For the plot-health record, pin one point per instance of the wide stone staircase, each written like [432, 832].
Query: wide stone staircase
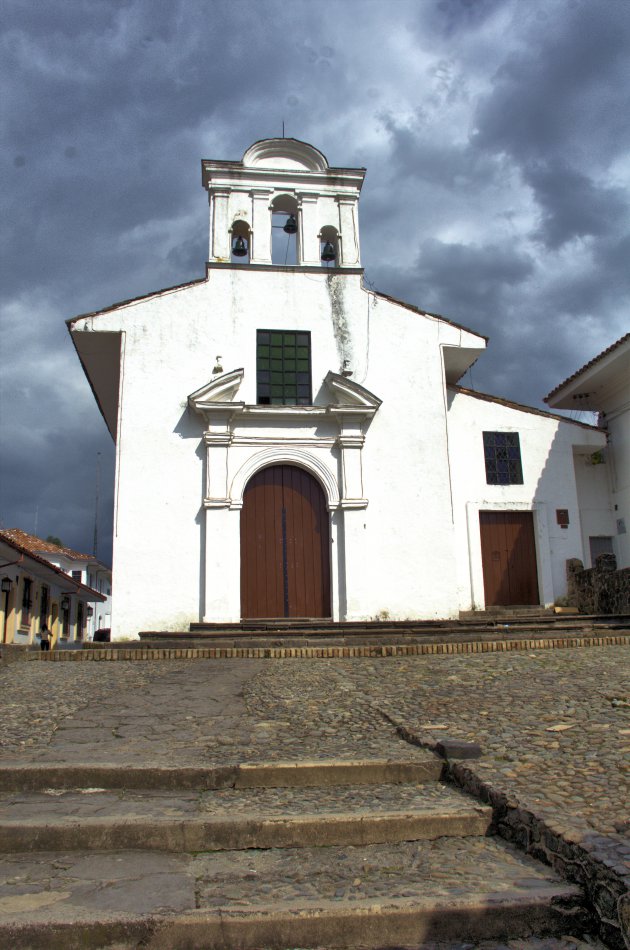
[331, 853]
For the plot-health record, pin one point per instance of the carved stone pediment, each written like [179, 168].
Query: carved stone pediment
[351, 395]
[218, 391]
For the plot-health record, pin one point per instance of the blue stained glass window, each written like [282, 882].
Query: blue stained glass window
[502, 455]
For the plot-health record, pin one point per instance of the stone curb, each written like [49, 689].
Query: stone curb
[330, 652]
[242, 833]
[484, 916]
[34, 778]
[604, 876]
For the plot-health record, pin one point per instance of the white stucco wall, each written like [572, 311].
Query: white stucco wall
[176, 562]
[596, 510]
[549, 483]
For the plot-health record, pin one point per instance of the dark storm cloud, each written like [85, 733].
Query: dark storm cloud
[572, 205]
[417, 155]
[600, 285]
[451, 16]
[469, 284]
[563, 90]
[469, 279]
[126, 95]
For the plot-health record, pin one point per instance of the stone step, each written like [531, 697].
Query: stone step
[382, 895]
[420, 766]
[231, 819]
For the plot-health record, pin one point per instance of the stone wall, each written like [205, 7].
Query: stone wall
[10, 652]
[601, 589]
[596, 862]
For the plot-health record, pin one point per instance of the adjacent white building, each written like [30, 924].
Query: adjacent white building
[84, 569]
[603, 385]
[291, 443]
[36, 593]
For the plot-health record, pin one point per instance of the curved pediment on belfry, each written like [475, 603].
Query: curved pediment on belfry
[221, 389]
[285, 153]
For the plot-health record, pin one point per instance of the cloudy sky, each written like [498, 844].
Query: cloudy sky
[496, 134]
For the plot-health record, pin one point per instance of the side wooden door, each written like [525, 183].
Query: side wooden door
[285, 546]
[508, 553]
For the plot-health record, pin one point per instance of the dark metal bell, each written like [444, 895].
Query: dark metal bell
[290, 225]
[328, 254]
[239, 248]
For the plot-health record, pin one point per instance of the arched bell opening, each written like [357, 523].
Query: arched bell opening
[284, 231]
[240, 242]
[329, 246]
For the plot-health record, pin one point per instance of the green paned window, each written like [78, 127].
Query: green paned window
[283, 368]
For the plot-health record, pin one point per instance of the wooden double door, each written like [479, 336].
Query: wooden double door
[285, 546]
[508, 553]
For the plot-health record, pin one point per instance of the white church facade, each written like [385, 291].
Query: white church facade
[291, 443]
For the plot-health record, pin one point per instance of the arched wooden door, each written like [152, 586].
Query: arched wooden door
[285, 557]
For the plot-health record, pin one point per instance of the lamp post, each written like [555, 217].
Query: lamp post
[6, 590]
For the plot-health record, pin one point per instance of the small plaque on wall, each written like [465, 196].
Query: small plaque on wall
[562, 517]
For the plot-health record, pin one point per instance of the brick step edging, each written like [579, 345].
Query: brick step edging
[330, 652]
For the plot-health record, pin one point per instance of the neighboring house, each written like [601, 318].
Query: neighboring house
[83, 568]
[603, 385]
[35, 592]
[291, 443]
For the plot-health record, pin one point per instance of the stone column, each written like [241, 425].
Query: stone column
[217, 444]
[356, 576]
[221, 250]
[308, 250]
[350, 442]
[222, 593]
[348, 232]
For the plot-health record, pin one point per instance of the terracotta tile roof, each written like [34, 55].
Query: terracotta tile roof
[37, 545]
[588, 365]
[522, 408]
[6, 536]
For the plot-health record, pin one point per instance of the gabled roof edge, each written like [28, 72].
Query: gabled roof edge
[423, 313]
[591, 363]
[521, 407]
[132, 300]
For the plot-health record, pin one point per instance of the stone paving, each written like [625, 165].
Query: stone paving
[177, 713]
[251, 880]
[554, 726]
[54, 804]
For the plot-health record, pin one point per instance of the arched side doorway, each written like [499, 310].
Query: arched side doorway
[285, 545]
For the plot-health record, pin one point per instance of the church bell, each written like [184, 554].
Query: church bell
[290, 225]
[328, 253]
[239, 248]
